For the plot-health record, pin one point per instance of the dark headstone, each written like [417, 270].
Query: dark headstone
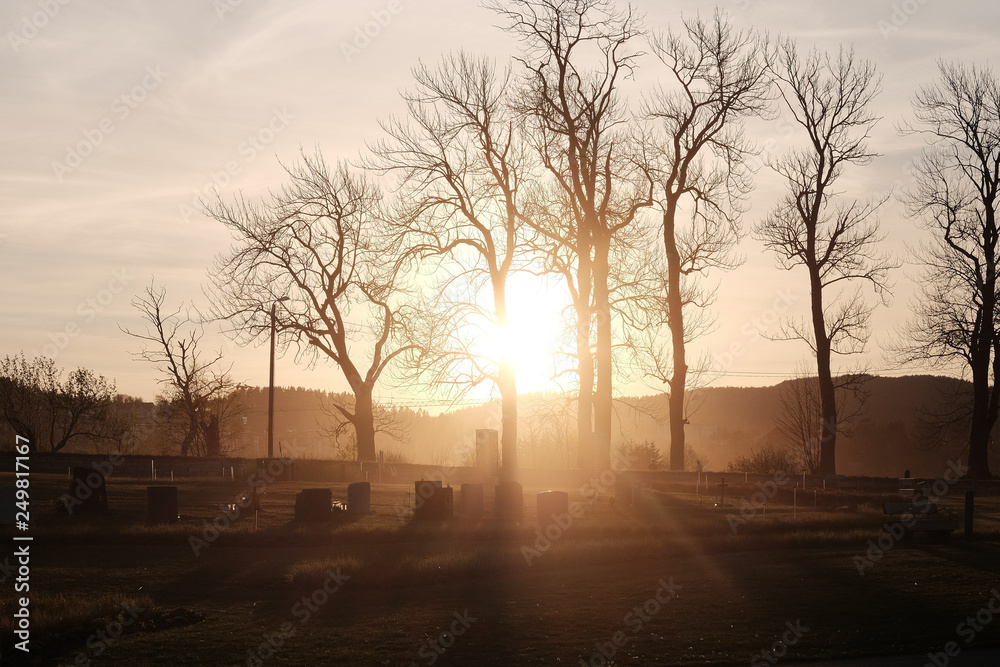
[314, 505]
[551, 503]
[161, 504]
[509, 499]
[87, 492]
[359, 497]
[432, 502]
[473, 499]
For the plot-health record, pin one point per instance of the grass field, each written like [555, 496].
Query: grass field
[668, 582]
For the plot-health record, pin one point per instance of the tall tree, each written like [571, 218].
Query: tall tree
[698, 157]
[461, 165]
[836, 239]
[317, 242]
[956, 198]
[576, 55]
[200, 392]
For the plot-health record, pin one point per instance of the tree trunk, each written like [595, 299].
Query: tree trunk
[979, 433]
[983, 412]
[585, 402]
[192, 433]
[675, 321]
[603, 392]
[364, 422]
[213, 439]
[586, 455]
[827, 391]
[508, 423]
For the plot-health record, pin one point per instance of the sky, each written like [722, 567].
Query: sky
[117, 115]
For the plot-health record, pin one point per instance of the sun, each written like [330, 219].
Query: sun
[535, 332]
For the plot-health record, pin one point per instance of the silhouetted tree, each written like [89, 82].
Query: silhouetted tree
[575, 56]
[837, 241]
[697, 155]
[199, 391]
[52, 412]
[799, 413]
[956, 197]
[461, 165]
[318, 241]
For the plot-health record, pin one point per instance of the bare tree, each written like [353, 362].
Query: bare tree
[199, 390]
[576, 55]
[956, 197]
[52, 412]
[837, 241]
[799, 415]
[316, 242]
[461, 165]
[697, 154]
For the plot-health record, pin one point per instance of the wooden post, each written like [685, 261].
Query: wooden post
[722, 500]
[795, 501]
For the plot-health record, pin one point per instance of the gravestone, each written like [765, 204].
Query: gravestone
[550, 503]
[509, 499]
[161, 504]
[488, 453]
[473, 500]
[314, 505]
[359, 497]
[8, 500]
[88, 493]
[432, 501]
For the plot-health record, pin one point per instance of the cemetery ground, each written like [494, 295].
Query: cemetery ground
[672, 580]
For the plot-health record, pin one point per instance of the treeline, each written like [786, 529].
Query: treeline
[80, 411]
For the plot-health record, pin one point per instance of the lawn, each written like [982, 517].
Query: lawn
[667, 582]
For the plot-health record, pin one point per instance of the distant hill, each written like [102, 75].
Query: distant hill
[724, 422]
[728, 421]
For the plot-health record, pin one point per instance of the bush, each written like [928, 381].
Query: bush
[642, 456]
[767, 460]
